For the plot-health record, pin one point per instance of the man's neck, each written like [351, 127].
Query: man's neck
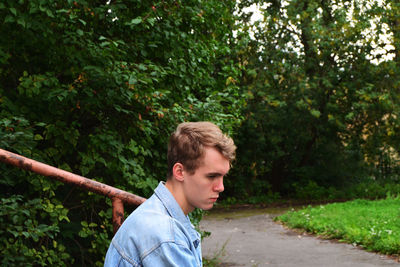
[177, 192]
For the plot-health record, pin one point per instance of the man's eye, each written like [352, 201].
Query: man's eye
[212, 176]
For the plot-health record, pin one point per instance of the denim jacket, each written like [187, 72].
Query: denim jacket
[156, 234]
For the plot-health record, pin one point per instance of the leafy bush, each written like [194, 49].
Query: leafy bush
[368, 189]
[29, 232]
[95, 88]
[374, 189]
[310, 191]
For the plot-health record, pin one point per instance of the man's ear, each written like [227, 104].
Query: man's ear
[177, 171]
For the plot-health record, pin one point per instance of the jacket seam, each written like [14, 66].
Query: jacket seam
[124, 256]
[182, 244]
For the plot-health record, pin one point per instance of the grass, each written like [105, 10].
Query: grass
[215, 261]
[371, 224]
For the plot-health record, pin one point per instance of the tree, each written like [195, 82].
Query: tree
[323, 104]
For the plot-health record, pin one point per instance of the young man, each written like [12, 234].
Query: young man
[159, 232]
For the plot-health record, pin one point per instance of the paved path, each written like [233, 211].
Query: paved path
[255, 240]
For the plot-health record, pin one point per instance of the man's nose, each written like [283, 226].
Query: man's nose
[219, 186]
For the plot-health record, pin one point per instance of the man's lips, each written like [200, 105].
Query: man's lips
[214, 199]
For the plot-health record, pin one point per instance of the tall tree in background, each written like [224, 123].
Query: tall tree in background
[95, 87]
[324, 94]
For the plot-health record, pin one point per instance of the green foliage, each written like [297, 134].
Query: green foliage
[95, 88]
[366, 189]
[370, 224]
[373, 190]
[195, 218]
[312, 191]
[323, 97]
[29, 232]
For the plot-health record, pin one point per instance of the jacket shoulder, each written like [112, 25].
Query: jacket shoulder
[146, 229]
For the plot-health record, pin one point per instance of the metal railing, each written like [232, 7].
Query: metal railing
[118, 197]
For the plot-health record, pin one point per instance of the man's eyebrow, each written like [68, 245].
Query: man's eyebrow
[215, 174]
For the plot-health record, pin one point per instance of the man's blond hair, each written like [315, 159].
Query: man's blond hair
[187, 144]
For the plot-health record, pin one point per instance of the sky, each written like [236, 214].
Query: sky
[386, 37]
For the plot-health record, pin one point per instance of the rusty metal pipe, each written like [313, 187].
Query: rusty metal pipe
[117, 196]
[117, 213]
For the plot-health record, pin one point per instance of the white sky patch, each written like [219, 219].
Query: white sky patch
[381, 50]
[256, 16]
[257, 13]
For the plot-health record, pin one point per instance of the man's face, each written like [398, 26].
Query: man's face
[202, 188]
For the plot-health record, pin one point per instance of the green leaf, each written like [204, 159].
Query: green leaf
[136, 21]
[38, 137]
[13, 11]
[49, 13]
[9, 18]
[315, 113]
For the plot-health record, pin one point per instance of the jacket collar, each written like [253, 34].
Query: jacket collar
[176, 211]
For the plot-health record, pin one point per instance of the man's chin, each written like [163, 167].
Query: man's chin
[208, 207]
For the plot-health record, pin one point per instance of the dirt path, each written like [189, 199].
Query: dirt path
[251, 238]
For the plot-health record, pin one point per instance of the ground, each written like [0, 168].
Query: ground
[250, 237]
